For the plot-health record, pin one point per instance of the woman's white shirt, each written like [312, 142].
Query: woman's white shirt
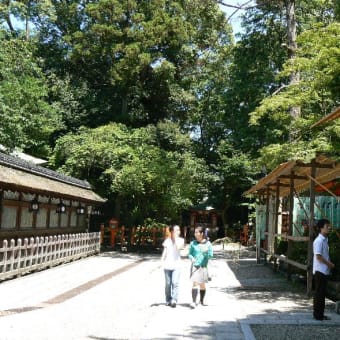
[172, 256]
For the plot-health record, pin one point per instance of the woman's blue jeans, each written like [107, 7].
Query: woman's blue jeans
[171, 285]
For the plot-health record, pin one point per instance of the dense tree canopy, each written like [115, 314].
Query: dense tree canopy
[156, 105]
[138, 58]
[147, 171]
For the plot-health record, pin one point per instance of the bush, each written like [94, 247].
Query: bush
[281, 246]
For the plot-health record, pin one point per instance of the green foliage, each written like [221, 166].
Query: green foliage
[236, 171]
[129, 163]
[299, 252]
[318, 58]
[275, 154]
[316, 94]
[281, 246]
[26, 11]
[337, 9]
[334, 253]
[140, 58]
[27, 118]
[116, 84]
[258, 56]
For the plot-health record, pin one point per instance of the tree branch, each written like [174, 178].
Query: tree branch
[9, 23]
[278, 90]
[238, 6]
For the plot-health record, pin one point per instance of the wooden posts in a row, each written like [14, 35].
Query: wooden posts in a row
[134, 236]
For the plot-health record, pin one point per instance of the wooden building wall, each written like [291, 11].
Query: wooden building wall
[18, 221]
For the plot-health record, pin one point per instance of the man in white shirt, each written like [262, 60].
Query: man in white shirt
[321, 269]
[171, 258]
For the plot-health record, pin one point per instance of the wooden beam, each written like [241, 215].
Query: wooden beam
[285, 259]
[1, 205]
[290, 262]
[294, 177]
[316, 165]
[293, 238]
[284, 185]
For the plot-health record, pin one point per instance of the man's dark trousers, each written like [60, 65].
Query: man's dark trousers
[320, 281]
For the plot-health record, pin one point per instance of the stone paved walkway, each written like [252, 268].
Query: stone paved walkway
[120, 296]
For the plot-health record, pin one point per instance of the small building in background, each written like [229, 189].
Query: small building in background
[206, 216]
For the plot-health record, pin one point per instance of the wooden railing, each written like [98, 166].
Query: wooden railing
[284, 258]
[28, 255]
[133, 237]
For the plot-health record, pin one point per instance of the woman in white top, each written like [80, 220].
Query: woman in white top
[171, 258]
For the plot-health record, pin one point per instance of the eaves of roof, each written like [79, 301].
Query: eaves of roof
[16, 174]
[280, 178]
[331, 116]
[14, 179]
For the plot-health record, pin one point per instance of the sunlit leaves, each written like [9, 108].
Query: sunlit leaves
[152, 168]
[27, 119]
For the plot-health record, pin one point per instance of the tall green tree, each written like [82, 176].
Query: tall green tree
[260, 55]
[236, 174]
[317, 93]
[139, 58]
[27, 118]
[24, 11]
[148, 172]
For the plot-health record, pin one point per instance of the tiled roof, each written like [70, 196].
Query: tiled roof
[17, 163]
[16, 173]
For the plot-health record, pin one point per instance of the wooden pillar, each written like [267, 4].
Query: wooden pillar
[277, 206]
[311, 231]
[290, 221]
[69, 215]
[19, 213]
[267, 224]
[34, 219]
[1, 206]
[48, 212]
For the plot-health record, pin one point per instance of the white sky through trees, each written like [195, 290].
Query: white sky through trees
[235, 19]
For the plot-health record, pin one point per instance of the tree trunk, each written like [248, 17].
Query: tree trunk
[294, 78]
[27, 23]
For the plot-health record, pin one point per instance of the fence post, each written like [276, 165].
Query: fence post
[5, 256]
[25, 252]
[31, 252]
[18, 257]
[12, 250]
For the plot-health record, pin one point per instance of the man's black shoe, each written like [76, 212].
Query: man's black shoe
[325, 317]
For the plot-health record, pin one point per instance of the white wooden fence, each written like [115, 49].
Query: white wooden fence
[22, 257]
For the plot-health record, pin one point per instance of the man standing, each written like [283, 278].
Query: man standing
[321, 269]
[171, 258]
